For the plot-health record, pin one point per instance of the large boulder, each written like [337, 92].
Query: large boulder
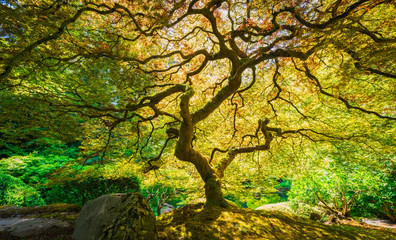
[116, 216]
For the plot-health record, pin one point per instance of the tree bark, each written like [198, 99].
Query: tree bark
[184, 152]
[213, 193]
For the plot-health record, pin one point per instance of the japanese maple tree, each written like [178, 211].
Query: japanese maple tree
[221, 78]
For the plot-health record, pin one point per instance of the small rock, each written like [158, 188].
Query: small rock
[315, 216]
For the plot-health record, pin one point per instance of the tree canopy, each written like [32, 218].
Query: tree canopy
[213, 80]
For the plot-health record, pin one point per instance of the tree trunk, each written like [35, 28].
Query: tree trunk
[184, 152]
[213, 193]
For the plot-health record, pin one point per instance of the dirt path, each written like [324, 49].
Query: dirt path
[380, 222]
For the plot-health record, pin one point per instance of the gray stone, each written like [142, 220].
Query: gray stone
[282, 206]
[116, 216]
[167, 208]
[27, 227]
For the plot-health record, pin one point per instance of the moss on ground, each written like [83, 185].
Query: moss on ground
[233, 223]
[196, 222]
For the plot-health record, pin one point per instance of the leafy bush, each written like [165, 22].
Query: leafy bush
[338, 189]
[382, 202]
[389, 210]
[79, 191]
[79, 185]
[33, 168]
[162, 196]
[14, 191]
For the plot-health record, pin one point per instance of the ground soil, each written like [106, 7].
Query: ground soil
[195, 222]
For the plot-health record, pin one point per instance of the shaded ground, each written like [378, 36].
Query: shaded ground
[194, 222]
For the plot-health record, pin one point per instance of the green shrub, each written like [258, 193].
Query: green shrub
[14, 191]
[338, 189]
[389, 210]
[162, 196]
[79, 191]
[33, 168]
[78, 186]
[380, 203]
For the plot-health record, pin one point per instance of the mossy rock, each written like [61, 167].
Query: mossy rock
[116, 216]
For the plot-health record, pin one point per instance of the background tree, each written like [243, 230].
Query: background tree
[27, 125]
[217, 79]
